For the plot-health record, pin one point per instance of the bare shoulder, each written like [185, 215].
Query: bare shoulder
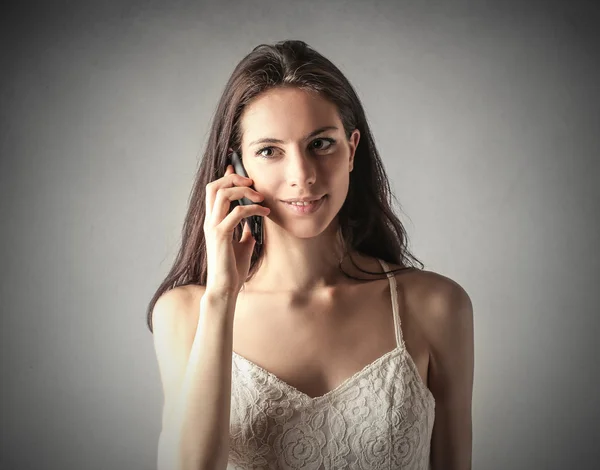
[441, 304]
[178, 302]
[447, 325]
[175, 320]
[432, 290]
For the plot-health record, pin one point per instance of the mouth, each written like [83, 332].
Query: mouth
[305, 208]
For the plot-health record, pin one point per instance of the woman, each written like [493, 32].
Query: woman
[324, 347]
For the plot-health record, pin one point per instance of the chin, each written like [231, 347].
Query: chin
[306, 233]
[303, 229]
[305, 226]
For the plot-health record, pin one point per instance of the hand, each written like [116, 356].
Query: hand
[228, 262]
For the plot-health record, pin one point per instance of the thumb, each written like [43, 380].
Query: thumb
[243, 250]
[247, 240]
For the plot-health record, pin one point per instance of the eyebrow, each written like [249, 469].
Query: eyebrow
[271, 140]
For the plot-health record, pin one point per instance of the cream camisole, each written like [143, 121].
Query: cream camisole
[380, 418]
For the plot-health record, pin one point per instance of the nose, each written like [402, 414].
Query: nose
[300, 168]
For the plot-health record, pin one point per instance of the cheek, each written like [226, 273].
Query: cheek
[268, 191]
[341, 183]
[337, 191]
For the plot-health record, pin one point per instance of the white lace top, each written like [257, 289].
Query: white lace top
[380, 418]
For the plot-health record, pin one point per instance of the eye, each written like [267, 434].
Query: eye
[329, 141]
[259, 152]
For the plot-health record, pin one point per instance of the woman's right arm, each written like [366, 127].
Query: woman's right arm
[193, 345]
[194, 342]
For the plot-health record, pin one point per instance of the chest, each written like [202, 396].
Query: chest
[315, 344]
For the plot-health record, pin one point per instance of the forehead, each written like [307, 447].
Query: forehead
[286, 114]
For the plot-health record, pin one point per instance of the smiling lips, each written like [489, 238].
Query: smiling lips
[304, 208]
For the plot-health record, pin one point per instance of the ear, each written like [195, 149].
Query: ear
[353, 143]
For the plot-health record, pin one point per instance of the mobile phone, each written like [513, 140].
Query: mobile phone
[254, 221]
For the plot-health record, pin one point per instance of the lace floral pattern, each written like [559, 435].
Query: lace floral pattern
[380, 418]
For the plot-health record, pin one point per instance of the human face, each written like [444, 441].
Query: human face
[295, 161]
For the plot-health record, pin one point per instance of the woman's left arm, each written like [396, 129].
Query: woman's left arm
[451, 341]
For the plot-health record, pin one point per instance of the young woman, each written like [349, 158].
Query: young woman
[324, 347]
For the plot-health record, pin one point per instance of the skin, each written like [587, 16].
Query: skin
[297, 168]
[311, 326]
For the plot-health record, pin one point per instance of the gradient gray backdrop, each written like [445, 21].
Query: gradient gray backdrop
[486, 117]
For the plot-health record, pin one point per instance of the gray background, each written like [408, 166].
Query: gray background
[486, 116]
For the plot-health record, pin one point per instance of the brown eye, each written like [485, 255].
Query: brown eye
[260, 152]
[330, 142]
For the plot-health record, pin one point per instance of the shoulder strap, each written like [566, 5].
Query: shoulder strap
[395, 308]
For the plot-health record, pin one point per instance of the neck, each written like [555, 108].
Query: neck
[292, 265]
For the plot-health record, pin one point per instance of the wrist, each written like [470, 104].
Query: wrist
[214, 296]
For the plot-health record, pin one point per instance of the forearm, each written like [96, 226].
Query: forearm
[197, 436]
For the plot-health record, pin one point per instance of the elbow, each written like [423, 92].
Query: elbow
[165, 459]
[172, 457]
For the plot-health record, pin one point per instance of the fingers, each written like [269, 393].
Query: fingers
[221, 192]
[225, 181]
[224, 198]
[233, 219]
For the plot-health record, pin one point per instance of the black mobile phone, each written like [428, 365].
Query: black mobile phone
[254, 221]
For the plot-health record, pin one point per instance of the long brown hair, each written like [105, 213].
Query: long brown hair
[367, 221]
